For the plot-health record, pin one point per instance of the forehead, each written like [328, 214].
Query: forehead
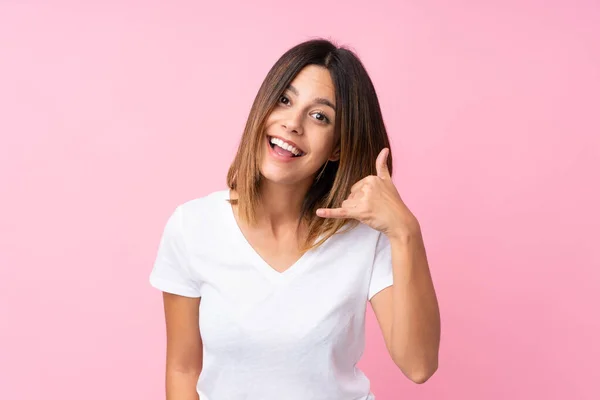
[314, 81]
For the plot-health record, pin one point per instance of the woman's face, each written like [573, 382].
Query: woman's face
[299, 133]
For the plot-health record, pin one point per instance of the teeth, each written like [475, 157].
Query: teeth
[285, 146]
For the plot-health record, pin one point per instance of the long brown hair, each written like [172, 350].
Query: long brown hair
[358, 123]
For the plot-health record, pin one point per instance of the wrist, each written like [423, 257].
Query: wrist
[404, 233]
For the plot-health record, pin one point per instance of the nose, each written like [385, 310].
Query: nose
[292, 123]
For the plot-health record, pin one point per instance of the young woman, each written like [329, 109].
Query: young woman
[266, 284]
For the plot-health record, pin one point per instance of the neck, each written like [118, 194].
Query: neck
[280, 204]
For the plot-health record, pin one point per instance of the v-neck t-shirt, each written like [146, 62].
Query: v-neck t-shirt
[269, 335]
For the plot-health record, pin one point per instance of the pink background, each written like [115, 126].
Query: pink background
[111, 113]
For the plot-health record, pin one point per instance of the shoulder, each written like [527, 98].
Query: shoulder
[359, 231]
[203, 210]
[205, 203]
[356, 238]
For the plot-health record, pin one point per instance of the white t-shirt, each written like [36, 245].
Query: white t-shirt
[268, 335]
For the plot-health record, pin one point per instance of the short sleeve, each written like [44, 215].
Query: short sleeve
[382, 273]
[171, 271]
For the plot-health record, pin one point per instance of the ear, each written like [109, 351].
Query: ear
[335, 155]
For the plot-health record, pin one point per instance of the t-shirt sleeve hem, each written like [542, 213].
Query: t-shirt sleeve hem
[174, 288]
[379, 287]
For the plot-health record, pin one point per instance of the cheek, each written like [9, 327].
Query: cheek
[324, 142]
[274, 116]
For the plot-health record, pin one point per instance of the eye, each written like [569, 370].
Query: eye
[283, 99]
[321, 117]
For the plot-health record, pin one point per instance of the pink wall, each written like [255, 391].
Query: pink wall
[107, 115]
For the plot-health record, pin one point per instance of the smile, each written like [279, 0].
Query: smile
[284, 148]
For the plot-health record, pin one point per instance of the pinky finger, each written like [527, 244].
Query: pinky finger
[333, 212]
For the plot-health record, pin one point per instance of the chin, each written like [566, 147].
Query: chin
[274, 175]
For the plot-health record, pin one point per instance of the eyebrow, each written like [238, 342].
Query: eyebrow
[318, 100]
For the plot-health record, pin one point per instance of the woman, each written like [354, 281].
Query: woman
[276, 271]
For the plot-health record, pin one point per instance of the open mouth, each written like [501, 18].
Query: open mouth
[284, 149]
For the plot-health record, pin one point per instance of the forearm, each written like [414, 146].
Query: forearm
[181, 385]
[415, 332]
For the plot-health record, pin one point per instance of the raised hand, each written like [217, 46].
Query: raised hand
[375, 201]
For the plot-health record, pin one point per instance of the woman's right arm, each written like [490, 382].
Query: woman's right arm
[184, 346]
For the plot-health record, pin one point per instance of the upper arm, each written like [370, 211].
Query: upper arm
[381, 303]
[172, 274]
[380, 288]
[184, 343]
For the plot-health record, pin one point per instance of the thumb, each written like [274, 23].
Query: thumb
[381, 164]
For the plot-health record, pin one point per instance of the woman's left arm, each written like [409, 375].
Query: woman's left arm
[407, 311]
